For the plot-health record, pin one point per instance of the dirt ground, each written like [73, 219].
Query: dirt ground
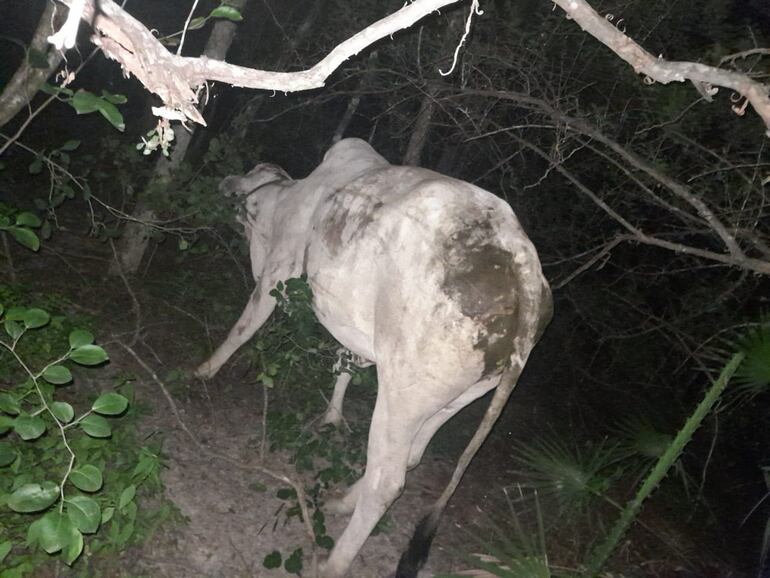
[234, 517]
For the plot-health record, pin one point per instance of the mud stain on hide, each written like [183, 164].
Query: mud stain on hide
[345, 224]
[480, 277]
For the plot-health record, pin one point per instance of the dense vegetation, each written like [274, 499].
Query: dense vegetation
[647, 204]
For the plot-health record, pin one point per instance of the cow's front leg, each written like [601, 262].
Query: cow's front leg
[333, 413]
[254, 315]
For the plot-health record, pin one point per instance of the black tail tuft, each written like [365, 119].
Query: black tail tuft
[419, 546]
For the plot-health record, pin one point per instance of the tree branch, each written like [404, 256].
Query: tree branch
[704, 77]
[175, 78]
[583, 126]
[635, 234]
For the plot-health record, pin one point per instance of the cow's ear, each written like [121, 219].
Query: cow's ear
[229, 185]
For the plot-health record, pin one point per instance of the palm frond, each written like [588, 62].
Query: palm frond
[575, 476]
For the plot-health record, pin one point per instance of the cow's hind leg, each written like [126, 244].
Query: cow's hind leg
[256, 312]
[347, 503]
[434, 422]
[390, 437]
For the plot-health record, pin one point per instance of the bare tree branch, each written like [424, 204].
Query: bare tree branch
[704, 77]
[175, 78]
[637, 235]
[736, 254]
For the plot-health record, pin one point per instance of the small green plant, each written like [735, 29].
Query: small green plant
[603, 550]
[752, 378]
[640, 443]
[513, 550]
[575, 477]
[294, 351]
[85, 102]
[20, 225]
[67, 487]
[291, 509]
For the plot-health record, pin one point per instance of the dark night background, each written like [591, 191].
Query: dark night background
[639, 331]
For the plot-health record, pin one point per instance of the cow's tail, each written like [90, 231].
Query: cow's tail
[534, 314]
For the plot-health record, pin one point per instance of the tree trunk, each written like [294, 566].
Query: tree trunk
[353, 103]
[136, 234]
[421, 127]
[27, 79]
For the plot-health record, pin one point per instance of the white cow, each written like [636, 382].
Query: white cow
[431, 278]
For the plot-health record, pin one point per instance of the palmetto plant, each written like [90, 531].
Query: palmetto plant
[511, 552]
[753, 376]
[751, 380]
[640, 442]
[574, 476]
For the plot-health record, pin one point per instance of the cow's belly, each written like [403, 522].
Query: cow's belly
[344, 302]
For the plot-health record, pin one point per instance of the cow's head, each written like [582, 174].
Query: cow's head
[261, 175]
[251, 190]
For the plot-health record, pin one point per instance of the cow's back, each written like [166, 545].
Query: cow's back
[404, 261]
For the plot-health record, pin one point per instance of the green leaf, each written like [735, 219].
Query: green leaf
[5, 548]
[112, 114]
[7, 454]
[227, 12]
[84, 102]
[84, 513]
[293, 564]
[9, 404]
[57, 374]
[110, 404]
[35, 318]
[27, 219]
[326, 542]
[126, 496]
[13, 329]
[87, 478]
[74, 548]
[25, 237]
[33, 497]
[114, 98]
[36, 166]
[29, 427]
[62, 411]
[55, 90]
[45, 230]
[6, 423]
[16, 313]
[70, 145]
[286, 493]
[107, 514]
[197, 23]
[273, 560]
[88, 355]
[80, 337]
[96, 426]
[53, 531]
